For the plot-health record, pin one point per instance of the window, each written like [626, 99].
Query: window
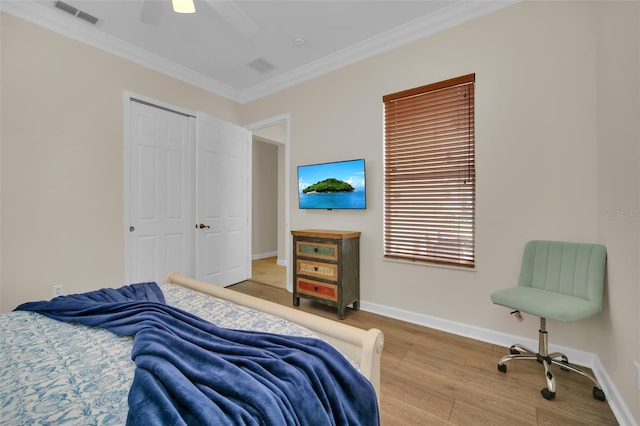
[429, 173]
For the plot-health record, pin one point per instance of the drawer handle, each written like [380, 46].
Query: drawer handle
[315, 269]
[315, 288]
[315, 249]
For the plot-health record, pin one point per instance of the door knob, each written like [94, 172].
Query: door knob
[203, 226]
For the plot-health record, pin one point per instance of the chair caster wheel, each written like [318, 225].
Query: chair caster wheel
[565, 361]
[514, 351]
[598, 394]
[503, 368]
[547, 394]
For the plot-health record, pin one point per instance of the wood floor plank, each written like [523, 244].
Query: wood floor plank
[401, 413]
[429, 377]
[267, 271]
[415, 392]
[465, 413]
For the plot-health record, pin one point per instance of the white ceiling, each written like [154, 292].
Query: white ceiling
[213, 47]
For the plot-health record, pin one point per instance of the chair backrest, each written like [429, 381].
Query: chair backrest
[574, 269]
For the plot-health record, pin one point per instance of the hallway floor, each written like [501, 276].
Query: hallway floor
[267, 271]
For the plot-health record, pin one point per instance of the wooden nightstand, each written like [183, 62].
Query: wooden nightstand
[327, 267]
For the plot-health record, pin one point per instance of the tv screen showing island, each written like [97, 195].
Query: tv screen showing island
[337, 185]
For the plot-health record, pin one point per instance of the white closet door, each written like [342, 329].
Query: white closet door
[222, 201]
[160, 224]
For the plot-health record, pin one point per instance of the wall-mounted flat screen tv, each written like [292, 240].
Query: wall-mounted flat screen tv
[336, 185]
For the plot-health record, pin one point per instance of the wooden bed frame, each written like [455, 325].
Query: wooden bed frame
[364, 347]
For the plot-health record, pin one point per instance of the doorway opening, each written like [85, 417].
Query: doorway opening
[270, 202]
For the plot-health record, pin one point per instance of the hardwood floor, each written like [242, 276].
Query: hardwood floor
[434, 378]
[267, 271]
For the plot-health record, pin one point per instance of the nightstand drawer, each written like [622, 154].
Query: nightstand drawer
[327, 271]
[326, 251]
[317, 289]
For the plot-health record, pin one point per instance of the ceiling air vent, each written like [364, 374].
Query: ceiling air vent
[75, 12]
[89, 18]
[65, 7]
[261, 65]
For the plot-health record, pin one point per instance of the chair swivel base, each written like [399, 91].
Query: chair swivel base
[521, 352]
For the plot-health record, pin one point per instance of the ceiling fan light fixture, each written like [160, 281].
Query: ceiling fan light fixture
[183, 6]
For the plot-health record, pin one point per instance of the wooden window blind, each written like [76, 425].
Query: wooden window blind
[429, 173]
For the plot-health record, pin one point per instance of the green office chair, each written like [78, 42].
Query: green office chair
[559, 281]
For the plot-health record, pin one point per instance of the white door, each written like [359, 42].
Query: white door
[222, 202]
[160, 220]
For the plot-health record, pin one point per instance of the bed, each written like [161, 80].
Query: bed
[55, 372]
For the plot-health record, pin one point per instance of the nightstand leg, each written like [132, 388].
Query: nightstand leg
[296, 301]
[341, 312]
[356, 305]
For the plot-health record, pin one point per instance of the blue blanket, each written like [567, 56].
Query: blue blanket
[188, 371]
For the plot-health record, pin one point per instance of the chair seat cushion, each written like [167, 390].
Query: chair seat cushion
[546, 304]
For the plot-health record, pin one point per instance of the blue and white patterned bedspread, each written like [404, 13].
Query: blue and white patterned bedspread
[53, 372]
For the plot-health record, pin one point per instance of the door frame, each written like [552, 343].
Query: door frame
[270, 122]
[127, 98]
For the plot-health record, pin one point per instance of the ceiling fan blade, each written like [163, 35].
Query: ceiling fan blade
[152, 11]
[234, 15]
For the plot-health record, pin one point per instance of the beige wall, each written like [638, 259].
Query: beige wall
[62, 159]
[617, 333]
[552, 157]
[555, 160]
[264, 199]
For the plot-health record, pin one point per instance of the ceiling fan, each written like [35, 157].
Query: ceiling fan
[153, 10]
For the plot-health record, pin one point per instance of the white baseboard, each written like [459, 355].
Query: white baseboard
[264, 255]
[587, 359]
[281, 262]
[619, 408]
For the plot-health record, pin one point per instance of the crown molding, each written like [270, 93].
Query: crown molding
[451, 16]
[57, 21]
[455, 14]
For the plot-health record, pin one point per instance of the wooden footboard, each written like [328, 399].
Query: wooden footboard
[364, 347]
